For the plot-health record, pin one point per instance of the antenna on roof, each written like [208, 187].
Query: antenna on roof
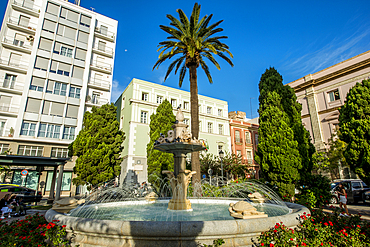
[92, 9]
[77, 2]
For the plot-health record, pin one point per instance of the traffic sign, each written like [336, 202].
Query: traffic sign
[210, 171]
[24, 172]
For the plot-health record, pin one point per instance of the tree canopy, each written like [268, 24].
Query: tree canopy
[98, 147]
[160, 122]
[354, 126]
[191, 41]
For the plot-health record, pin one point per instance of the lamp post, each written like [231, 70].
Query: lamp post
[221, 154]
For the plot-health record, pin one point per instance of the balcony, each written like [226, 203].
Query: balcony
[11, 86]
[104, 34]
[102, 50]
[19, 45]
[95, 101]
[17, 66]
[101, 67]
[26, 6]
[23, 26]
[10, 110]
[99, 84]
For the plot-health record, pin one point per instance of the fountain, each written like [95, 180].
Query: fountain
[164, 216]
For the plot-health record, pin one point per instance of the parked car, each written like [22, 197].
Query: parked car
[28, 195]
[366, 196]
[355, 189]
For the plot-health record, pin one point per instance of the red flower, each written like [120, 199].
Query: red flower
[326, 224]
[262, 244]
[271, 245]
[291, 239]
[275, 231]
[63, 226]
[321, 244]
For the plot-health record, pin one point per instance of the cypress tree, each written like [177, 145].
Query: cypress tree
[98, 147]
[160, 122]
[354, 127]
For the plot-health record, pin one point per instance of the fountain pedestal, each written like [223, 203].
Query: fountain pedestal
[179, 143]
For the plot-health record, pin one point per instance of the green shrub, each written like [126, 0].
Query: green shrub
[315, 193]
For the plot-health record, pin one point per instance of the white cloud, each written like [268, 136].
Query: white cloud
[116, 91]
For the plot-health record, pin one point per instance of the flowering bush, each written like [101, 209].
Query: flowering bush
[319, 229]
[33, 231]
[315, 193]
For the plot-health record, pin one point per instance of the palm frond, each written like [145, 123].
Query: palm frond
[164, 57]
[176, 33]
[204, 31]
[170, 68]
[176, 23]
[228, 60]
[179, 63]
[182, 75]
[206, 70]
[194, 18]
[212, 59]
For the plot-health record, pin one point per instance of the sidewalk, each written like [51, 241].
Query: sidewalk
[29, 212]
[352, 209]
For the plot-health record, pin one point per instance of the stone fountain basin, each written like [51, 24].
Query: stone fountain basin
[91, 232]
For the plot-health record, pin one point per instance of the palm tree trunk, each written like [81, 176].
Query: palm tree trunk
[194, 111]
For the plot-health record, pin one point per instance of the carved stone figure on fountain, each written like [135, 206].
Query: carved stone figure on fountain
[244, 210]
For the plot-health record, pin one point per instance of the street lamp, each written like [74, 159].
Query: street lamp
[221, 154]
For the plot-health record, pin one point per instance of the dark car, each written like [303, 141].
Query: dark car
[355, 189]
[28, 195]
[366, 196]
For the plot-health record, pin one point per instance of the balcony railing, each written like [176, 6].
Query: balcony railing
[27, 4]
[19, 43]
[105, 33]
[96, 101]
[8, 108]
[99, 83]
[14, 64]
[10, 84]
[104, 49]
[29, 25]
[102, 66]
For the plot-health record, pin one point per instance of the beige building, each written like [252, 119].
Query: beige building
[324, 92]
[56, 63]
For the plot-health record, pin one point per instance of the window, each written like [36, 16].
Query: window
[186, 121]
[356, 185]
[66, 181]
[219, 148]
[209, 110]
[45, 44]
[15, 59]
[52, 9]
[33, 105]
[219, 112]
[5, 102]
[364, 185]
[78, 72]
[334, 95]
[37, 84]
[159, 99]
[60, 68]
[24, 21]
[66, 31]
[173, 103]
[72, 111]
[53, 109]
[83, 37]
[2, 127]
[200, 126]
[19, 40]
[104, 30]
[59, 152]
[30, 181]
[85, 21]
[9, 81]
[186, 105]
[49, 130]
[209, 127]
[220, 129]
[248, 137]
[30, 150]
[238, 153]
[41, 63]
[3, 148]
[143, 117]
[75, 92]
[49, 26]
[249, 157]
[57, 88]
[69, 15]
[256, 138]
[63, 49]
[237, 136]
[101, 45]
[144, 96]
[69, 133]
[28, 129]
[80, 54]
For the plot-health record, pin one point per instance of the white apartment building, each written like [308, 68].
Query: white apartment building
[56, 62]
[140, 100]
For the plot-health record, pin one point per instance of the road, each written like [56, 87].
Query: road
[358, 208]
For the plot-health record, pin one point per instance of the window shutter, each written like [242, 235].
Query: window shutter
[64, 67]
[20, 37]
[72, 16]
[57, 47]
[24, 21]
[80, 54]
[60, 29]
[63, 13]
[45, 44]
[5, 100]
[72, 111]
[41, 63]
[85, 20]
[78, 72]
[52, 9]
[57, 109]
[70, 33]
[83, 37]
[101, 45]
[50, 86]
[38, 82]
[49, 26]
[33, 105]
[54, 65]
[104, 30]
[46, 108]
[14, 58]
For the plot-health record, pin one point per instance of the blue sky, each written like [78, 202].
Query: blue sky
[295, 37]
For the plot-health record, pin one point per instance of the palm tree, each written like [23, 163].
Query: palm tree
[193, 40]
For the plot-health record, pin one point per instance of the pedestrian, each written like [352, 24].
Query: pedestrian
[19, 205]
[5, 208]
[342, 198]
